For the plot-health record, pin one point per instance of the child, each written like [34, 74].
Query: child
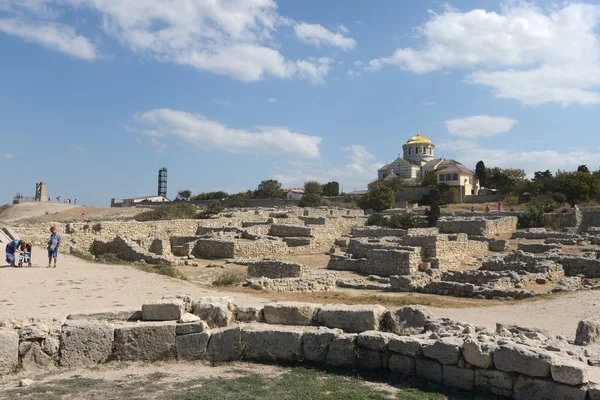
[25, 253]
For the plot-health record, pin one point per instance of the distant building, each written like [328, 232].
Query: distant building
[355, 193]
[138, 200]
[293, 194]
[461, 177]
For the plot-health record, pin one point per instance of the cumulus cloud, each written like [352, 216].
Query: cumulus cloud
[54, 36]
[527, 53]
[479, 126]
[319, 36]
[208, 134]
[233, 38]
[352, 73]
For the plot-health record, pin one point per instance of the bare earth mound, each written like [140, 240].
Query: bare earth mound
[57, 212]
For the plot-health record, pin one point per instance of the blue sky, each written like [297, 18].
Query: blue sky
[96, 95]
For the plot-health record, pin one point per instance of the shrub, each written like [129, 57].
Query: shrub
[378, 198]
[237, 201]
[213, 208]
[376, 220]
[511, 201]
[434, 212]
[169, 212]
[97, 227]
[310, 200]
[230, 278]
[280, 215]
[402, 221]
[531, 218]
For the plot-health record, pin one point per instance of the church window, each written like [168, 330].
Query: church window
[454, 177]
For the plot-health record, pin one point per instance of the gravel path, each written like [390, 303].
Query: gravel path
[78, 285]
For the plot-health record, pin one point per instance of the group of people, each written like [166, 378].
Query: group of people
[488, 209]
[18, 251]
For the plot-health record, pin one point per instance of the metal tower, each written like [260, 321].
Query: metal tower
[162, 182]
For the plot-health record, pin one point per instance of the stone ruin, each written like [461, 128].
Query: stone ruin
[509, 361]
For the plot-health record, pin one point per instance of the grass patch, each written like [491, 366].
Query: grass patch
[230, 278]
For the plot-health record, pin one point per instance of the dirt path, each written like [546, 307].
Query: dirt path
[78, 285]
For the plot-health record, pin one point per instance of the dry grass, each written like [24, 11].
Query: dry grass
[230, 278]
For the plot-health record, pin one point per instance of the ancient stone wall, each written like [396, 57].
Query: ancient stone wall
[385, 262]
[478, 226]
[377, 232]
[275, 269]
[126, 250]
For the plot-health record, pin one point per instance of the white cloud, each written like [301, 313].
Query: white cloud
[479, 126]
[352, 73]
[319, 36]
[272, 100]
[158, 146]
[8, 156]
[54, 36]
[531, 54]
[233, 38]
[204, 133]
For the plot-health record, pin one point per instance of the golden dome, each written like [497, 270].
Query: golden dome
[418, 139]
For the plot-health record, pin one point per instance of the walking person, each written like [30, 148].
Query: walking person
[53, 245]
[500, 206]
[487, 208]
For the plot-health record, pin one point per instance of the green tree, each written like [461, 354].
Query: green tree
[378, 198]
[583, 168]
[331, 189]
[310, 200]
[430, 179]
[268, 189]
[481, 174]
[505, 180]
[184, 195]
[219, 195]
[313, 187]
[578, 187]
[434, 211]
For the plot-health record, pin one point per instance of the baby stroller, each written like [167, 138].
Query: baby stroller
[26, 256]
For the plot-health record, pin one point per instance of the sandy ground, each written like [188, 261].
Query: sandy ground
[78, 285]
[58, 212]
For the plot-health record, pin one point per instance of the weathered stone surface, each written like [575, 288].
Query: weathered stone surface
[406, 345]
[410, 319]
[9, 351]
[50, 346]
[249, 313]
[37, 331]
[588, 332]
[163, 310]
[479, 354]
[192, 346]
[272, 343]
[149, 341]
[569, 371]
[188, 301]
[594, 392]
[529, 388]
[225, 344]
[191, 327]
[401, 364]
[445, 350]
[343, 352]
[215, 311]
[495, 379]
[522, 359]
[375, 340]
[351, 318]
[316, 342]
[130, 314]
[33, 357]
[289, 313]
[372, 359]
[187, 317]
[85, 343]
[429, 369]
[461, 378]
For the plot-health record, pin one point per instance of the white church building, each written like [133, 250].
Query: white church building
[418, 159]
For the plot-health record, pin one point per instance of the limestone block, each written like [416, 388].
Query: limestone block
[272, 343]
[479, 354]
[33, 357]
[249, 314]
[37, 331]
[429, 369]
[343, 352]
[372, 359]
[487, 379]
[50, 346]
[130, 314]
[163, 310]
[406, 345]
[375, 340]
[191, 327]
[216, 311]
[187, 317]
[148, 341]
[401, 364]
[289, 313]
[193, 346]
[528, 388]
[410, 319]
[522, 359]
[225, 344]
[351, 318]
[594, 392]
[445, 350]
[316, 342]
[461, 378]
[9, 351]
[569, 371]
[188, 302]
[588, 332]
[85, 343]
